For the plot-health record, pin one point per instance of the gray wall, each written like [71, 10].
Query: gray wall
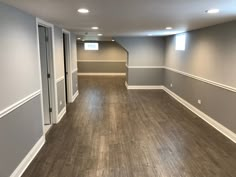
[73, 40]
[61, 102]
[74, 63]
[143, 76]
[19, 75]
[59, 53]
[101, 67]
[19, 131]
[59, 61]
[108, 53]
[217, 103]
[144, 51]
[75, 82]
[210, 54]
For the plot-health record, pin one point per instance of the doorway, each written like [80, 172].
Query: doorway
[45, 49]
[66, 49]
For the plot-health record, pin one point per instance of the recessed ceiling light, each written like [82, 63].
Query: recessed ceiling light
[212, 11]
[95, 28]
[83, 11]
[169, 28]
[100, 34]
[112, 40]
[78, 38]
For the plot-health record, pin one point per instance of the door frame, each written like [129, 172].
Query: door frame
[69, 75]
[53, 90]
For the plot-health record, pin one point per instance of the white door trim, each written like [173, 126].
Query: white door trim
[53, 91]
[69, 79]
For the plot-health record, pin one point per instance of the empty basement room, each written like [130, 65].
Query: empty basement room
[118, 88]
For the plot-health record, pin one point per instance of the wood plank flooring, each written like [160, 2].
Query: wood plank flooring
[112, 132]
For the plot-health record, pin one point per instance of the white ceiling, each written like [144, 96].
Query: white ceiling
[129, 17]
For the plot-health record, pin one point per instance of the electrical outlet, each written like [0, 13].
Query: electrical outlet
[171, 85]
[199, 101]
[60, 102]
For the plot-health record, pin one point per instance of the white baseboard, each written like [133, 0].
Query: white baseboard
[101, 74]
[222, 129]
[75, 96]
[126, 85]
[28, 158]
[61, 114]
[143, 87]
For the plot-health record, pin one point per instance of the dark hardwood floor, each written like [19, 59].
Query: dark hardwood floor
[112, 132]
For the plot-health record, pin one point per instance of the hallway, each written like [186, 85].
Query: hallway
[111, 132]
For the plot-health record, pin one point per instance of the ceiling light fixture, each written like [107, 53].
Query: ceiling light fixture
[112, 40]
[78, 38]
[149, 34]
[169, 28]
[95, 28]
[83, 11]
[212, 11]
[100, 34]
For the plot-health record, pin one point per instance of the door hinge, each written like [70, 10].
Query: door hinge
[49, 75]
[50, 110]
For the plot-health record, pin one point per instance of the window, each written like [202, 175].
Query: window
[180, 42]
[91, 46]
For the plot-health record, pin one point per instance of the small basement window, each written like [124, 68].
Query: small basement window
[91, 46]
[180, 42]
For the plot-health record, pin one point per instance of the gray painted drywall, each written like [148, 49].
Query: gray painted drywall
[75, 82]
[59, 60]
[61, 102]
[19, 67]
[59, 53]
[145, 76]
[73, 40]
[107, 51]
[218, 103]
[19, 131]
[101, 67]
[19, 75]
[210, 53]
[144, 51]
[74, 70]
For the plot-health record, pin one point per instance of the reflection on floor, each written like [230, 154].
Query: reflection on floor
[112, 132]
